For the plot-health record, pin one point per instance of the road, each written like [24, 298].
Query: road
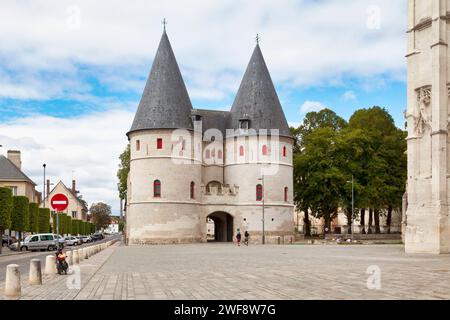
[23, 259]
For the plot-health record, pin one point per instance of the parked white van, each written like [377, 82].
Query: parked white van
[42, 241]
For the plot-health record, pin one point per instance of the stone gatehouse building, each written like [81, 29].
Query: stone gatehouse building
[190, 166]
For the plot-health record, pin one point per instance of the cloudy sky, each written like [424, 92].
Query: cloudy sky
[72, 72]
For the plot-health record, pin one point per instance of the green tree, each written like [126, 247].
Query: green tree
[317, 173]
[122, 173]
[34, 217]
[121, 226]
[6, 206]
[19, 221]
[383, 165]
[44, 220]
[101, 215]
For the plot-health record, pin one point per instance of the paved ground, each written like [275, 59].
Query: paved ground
[224, 271]
[23, 258]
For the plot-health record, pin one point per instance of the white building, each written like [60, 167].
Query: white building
[187, 165]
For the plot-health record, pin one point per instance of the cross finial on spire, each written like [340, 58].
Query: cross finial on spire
[257, 38]
[164, 22]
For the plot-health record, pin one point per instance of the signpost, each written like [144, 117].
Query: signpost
[59, 203]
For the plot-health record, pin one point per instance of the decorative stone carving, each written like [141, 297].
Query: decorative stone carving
[422, 114]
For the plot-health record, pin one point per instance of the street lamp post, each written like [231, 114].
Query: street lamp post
[353, 206]
[43, 186]
[263, 199]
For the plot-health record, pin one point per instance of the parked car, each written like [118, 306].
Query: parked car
[7, 240]
[72, 241]
[97, 236]
[84, 239]
[43, 241]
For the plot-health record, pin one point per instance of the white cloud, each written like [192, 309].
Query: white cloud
[311, 106]
[88, 145]
[304, 42]
[349, 96]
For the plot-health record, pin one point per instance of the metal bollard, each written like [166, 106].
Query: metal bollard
[12, 283]
[50, 265]
[35, 276]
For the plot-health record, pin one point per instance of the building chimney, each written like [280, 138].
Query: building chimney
[48, 188]
[74, 189]
[14, 157]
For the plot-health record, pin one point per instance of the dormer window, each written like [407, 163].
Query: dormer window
[244, 124]
[196, 117]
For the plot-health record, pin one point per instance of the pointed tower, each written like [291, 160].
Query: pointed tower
[165, 103]
[161, 206]
[257, 100]
[258, 159]
[427, 216]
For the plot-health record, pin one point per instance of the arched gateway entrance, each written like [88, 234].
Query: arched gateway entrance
[223, 227]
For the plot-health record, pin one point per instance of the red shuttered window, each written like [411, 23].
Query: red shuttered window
[157, 189]
[259, 192]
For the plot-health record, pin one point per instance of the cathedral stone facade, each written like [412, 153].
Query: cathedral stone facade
[190, 166]
[427, 216]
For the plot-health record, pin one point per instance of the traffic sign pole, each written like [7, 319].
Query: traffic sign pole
[59, 203]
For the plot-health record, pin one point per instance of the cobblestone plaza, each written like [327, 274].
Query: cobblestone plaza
[225, 271]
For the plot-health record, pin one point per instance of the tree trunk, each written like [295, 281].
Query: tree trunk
[389, 220]
[363, 221]
[377, 221]
[307, 223]
[369, 231]
[349, 220]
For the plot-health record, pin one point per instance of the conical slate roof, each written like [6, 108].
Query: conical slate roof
[257, 99]
[165, 103]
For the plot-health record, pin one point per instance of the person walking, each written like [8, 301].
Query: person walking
[238, 237]
[246, 237]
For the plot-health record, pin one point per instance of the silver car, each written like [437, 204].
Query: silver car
[72, 241]
[43, 241]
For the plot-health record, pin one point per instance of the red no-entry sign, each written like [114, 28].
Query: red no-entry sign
[59, 202]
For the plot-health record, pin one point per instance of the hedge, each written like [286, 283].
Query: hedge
[6, 205]
[19, 216]
[44, 220]
[34, 217]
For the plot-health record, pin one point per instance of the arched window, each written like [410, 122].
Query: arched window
[192, 190]
[284, 151]
[157, 189]
[138, 145]
[241, 151]
[264, 150]
[208, 154]
[286, 194]
[259, 192]
[219, 154]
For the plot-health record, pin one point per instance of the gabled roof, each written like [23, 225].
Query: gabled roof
[69, 191]
[213, 119]
[165, 103]
[257, 99]
[8, 171]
